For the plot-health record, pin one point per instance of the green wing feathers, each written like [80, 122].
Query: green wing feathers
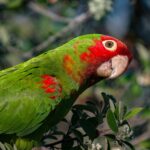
[23, 101]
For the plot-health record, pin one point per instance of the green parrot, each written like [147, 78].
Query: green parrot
[35, 95]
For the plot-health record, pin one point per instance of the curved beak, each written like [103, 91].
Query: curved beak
[114, 67]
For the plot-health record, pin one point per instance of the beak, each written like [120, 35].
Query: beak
[114, 67]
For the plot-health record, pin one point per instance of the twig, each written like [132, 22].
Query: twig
[46, 12]
[61, 141]
[72, 25]
[104, 132]
[12, 49]
[144, 136]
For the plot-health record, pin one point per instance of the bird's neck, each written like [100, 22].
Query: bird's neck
[70, 69]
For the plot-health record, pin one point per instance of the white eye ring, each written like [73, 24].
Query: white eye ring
[110, 45]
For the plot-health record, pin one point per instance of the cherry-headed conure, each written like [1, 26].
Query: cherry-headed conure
[37, 94]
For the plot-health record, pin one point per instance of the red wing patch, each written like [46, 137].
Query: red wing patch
[51, 86]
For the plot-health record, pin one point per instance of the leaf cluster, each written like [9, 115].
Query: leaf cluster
[86, 127]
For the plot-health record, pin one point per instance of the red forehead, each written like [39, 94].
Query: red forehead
[106, 37]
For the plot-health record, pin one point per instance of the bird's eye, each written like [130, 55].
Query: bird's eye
[110, 45]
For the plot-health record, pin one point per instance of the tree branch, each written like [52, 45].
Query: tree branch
[72, 25]
[46, 12]
[62, 140]
[142, 137]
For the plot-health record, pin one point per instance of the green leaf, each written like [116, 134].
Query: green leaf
[67, 143]
[89, 128]
[108, 145]
[133, 112]
[88, 107]
[110, 136]
[79, 135]
[75, 118]
[8, 146]
[14, 3]
[111, 120]
[94, 121]
[122, 111]
[146, 113]
[105, 97]
[2, 146]
[52, 137]
[112, 105]
[112, 98]
[105, 107]
[77, 148]
[145, 144]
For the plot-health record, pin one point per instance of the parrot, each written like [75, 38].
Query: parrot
[35, 95]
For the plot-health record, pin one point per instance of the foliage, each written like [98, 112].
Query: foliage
[7, 146]
[85, 131]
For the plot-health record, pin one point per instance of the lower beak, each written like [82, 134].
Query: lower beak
[114, 67]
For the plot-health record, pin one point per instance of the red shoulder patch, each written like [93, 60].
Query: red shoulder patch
[68, 64]
[51, 86]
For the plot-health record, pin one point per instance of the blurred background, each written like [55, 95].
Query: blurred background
[30, 27]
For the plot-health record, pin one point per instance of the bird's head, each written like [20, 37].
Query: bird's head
[108, 57]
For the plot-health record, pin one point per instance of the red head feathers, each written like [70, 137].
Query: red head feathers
[109, 56]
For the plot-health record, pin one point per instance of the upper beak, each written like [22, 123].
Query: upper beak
[114, 67]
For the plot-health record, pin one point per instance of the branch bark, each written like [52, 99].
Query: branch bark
[144, 136]
[48, 13]
[69, 28]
